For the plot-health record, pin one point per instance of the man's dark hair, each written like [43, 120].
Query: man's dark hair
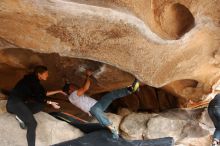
[40, 69]
[66, 88]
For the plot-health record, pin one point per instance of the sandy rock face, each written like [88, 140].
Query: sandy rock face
[162, 43]
[49, 131]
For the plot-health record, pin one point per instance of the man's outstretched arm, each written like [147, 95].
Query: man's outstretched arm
[86, 86]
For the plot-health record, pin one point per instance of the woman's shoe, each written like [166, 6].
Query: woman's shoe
[21, 123]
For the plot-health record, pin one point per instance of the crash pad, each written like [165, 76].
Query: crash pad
[104, 138]
[97, 135]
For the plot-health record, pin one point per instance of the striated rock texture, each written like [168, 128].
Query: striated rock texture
[166, 43]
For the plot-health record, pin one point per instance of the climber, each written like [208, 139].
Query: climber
[29, 97]
[96, 108]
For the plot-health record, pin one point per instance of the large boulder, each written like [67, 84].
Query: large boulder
[134, 125]
[161, 127]
[187, 127]
[163, 43]
[49, 131]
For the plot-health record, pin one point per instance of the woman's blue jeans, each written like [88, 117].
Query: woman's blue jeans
[98, 109]
[214, 113]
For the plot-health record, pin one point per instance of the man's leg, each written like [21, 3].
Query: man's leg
[98, 109]
[107, 99]
[25, 114]
[98, 113]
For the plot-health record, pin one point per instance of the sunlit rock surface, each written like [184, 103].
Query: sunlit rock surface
[49, 131]
[162, 43]
[168, 45]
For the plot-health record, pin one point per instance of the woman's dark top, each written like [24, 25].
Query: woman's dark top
[28, 87]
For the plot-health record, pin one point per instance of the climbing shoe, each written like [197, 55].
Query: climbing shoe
[134, 87]
[115, 134]
[21, 123]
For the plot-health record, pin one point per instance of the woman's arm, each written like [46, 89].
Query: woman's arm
[49, 93]
[54, 104]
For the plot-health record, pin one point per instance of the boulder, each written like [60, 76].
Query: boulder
[115, 119]
[159, 126]
[162, 43]
[3, 106]
[49, 131]
[187, 127]
[133, 126]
